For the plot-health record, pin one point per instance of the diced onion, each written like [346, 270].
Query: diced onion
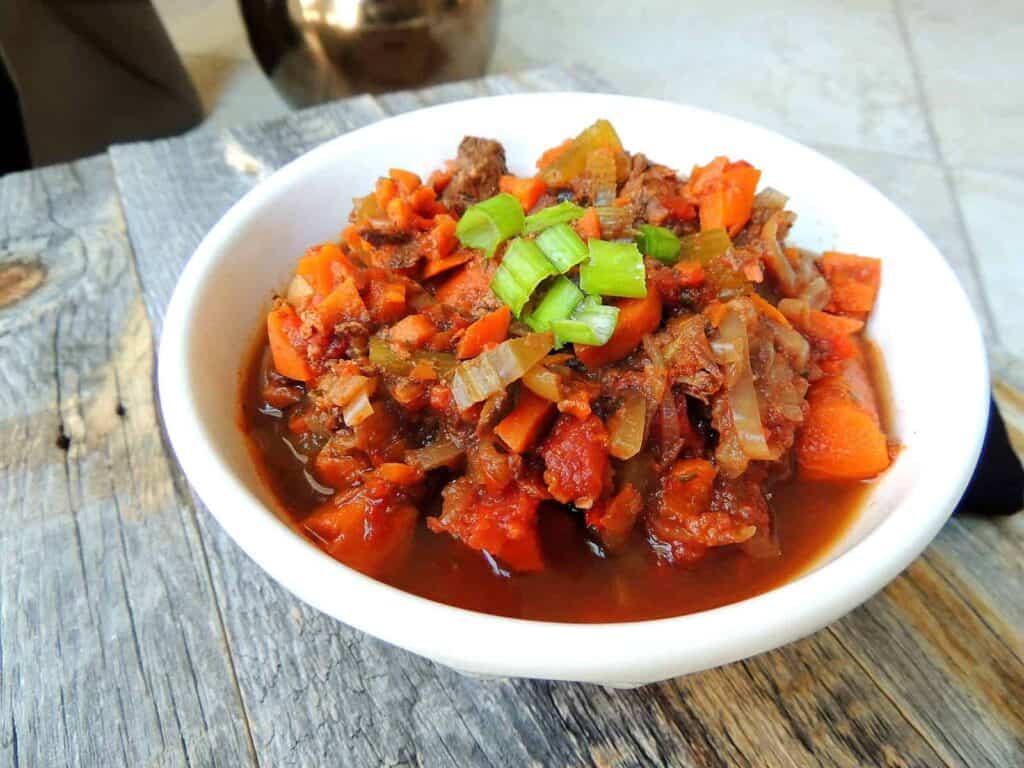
[601, 168]
[731, 346]
[771, 199]
[704, 247]
[298, 291]
[543, 382]
[358, 409]
[626, 427]
[440, 454]
[477, 379]
[616, 221]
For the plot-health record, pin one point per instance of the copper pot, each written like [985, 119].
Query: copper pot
[318, 50]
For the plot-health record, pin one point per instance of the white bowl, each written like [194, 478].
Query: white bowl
[922, 322]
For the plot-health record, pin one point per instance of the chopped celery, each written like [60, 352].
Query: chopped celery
[702, 247]
[658, 243]
[562, 246]
[522, 269]
[591, 324]
[489, 223]
[614, 269]
[562, 213]
[558, 304]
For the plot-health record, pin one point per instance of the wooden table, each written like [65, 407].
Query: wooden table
[134, 632]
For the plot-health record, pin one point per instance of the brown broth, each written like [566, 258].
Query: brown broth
[577, 585]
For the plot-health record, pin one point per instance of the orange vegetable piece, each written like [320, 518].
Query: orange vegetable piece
[521, 428]
[467, 288]
[842, 438]
[363, 536]
[387, 301]
[424, 200]
[691, 273]
[769, 310]
[324, 265]
[492, 328]
[443, 236]
[385, 191]
[343, 303]
[287, 347]
[528, 191]
[435, 267]
[400, 213]
[407, 181]
[637, 318]
[413, 331]
[589, 225]
[399, 474]
[725, 193]
[854, 281]
[337, 469]
[552, 154]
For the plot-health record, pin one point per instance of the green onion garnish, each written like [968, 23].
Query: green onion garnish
[558, 304]
[489, 223]
[658, 243]
[563, 247]
[562, 213]
[614, 269]
[704, 246]
[591, 324]
[521, 270]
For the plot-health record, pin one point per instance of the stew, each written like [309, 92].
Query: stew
[602, 392]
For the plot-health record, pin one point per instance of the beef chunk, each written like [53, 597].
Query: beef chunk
[478, 170]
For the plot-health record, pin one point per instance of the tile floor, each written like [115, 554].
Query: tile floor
[921, 97]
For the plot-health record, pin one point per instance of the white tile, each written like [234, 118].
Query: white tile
[993, 206]
[825, 71]
[971, 60]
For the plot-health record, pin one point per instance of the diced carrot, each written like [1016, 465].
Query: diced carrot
[637, 318]
[826, 325]
[387, 301]
[443, 235]
[769, 310]
[440, 397]
[589, 225]
[287, 347]
[337, 469]
[424, 200]
[714, 312]
[527, 191]
[413, 331]
[385, 191]
[363, 536]
[423, 371]
[440, 179]
[686, 489]
[691, 273]
[552, 154]
[343, 303]
[842, 437]
[399, 474]
[435, 267]
[854, 281]
[725, 193]
[521, 428]
[492, 328]
[324, 266]
[400, 213]
[679, 207]
[466, 288]
[407, 181]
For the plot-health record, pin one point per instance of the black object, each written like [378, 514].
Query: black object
[13, 142]
[997, 487]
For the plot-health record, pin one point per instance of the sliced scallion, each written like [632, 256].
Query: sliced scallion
[614, 269]
[562, 246]
[489, 223]
[592, 324]
[558, 304]
[658, 243]
[522, 269]
[562, 213]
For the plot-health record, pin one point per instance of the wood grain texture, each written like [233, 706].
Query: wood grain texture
[164, 644]
[111, 647]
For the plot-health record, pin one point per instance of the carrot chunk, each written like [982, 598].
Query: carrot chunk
[343, 303]
[387, 301]
[589, 225]
[324, 266]
[842, 438]
[637, 318]
[725, 193]
[527, 191]
[492, 328]
[407, 181]
[521, 428]
[414, 331]
[854, 281]
[286, 344]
